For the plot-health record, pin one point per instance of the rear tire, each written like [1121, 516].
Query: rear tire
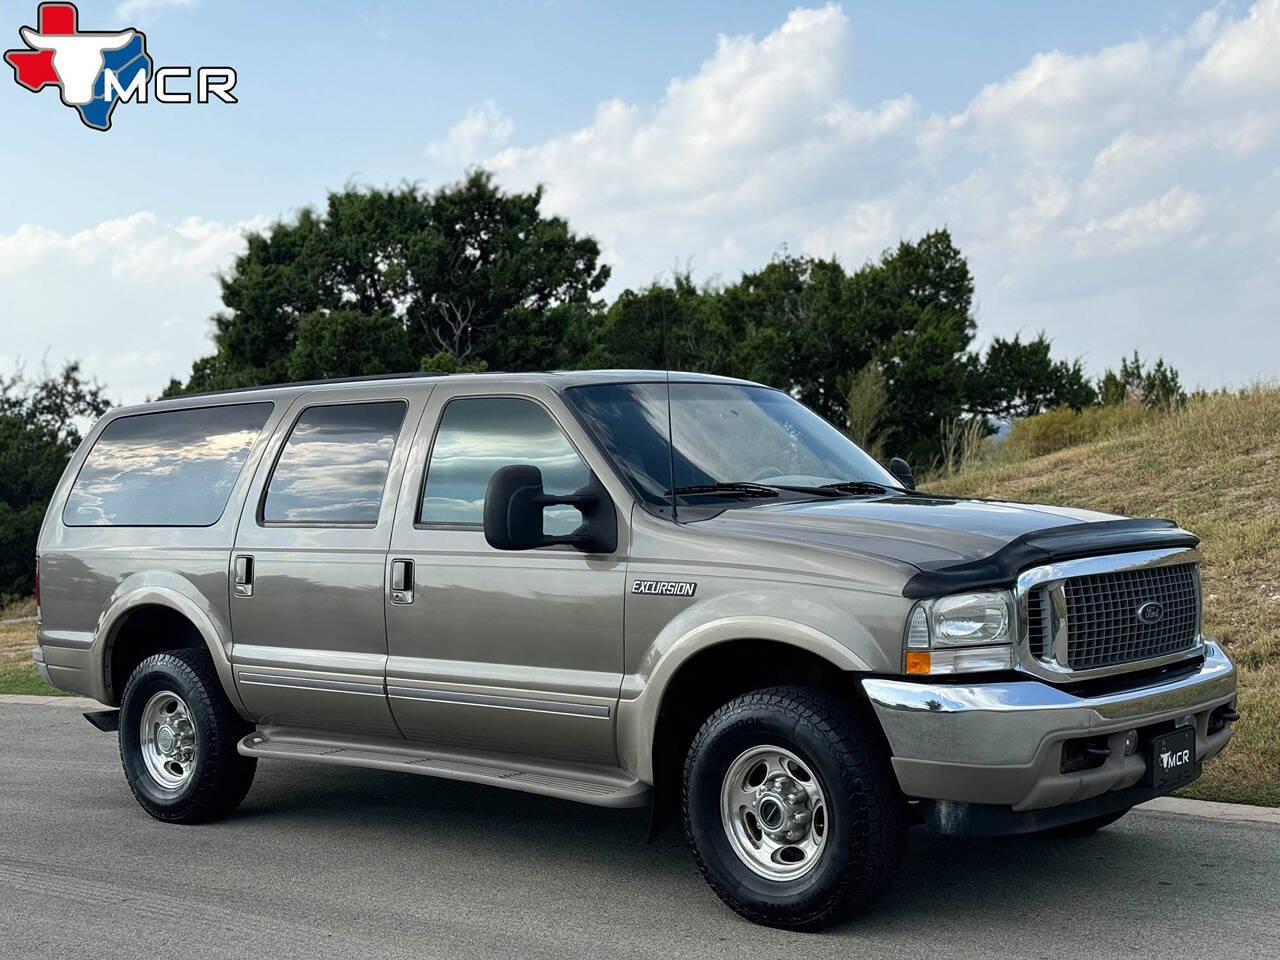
[178, 736]
[1084, 827]
[792, 757]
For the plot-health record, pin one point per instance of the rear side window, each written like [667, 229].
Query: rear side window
[333, 468]
[478, 435]
[175, 468]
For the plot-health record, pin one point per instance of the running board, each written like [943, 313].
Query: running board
[598, 786]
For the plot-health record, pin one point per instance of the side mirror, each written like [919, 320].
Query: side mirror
[513, 505]
[902, 472]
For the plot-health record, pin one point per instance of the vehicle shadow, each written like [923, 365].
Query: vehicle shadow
[1023, 894]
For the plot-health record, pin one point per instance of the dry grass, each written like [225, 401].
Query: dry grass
[17, 637]
[1214, 467]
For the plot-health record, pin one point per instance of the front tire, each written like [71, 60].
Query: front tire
[178, 736]
[791, 808]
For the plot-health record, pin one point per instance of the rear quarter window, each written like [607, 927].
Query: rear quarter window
[174, 468]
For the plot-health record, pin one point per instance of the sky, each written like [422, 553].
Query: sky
[1112, 171]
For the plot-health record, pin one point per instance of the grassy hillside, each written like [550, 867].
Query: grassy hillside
[1214, 467]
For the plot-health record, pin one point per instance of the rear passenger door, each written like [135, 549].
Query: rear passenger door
[309, 634]
[517, 651]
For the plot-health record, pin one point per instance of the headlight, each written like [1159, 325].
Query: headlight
[964, 633]
[970, 618]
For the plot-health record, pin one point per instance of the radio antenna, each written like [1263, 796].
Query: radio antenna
[671, 436]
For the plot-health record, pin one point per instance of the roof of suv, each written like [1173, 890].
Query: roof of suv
[559, 379]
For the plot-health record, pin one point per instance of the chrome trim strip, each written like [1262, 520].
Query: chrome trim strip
[311, 683]
[1053, 575]
[488, 700]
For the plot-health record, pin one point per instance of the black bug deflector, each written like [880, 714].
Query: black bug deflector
[1039, 547]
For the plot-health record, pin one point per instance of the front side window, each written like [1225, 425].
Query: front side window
[718, 433]
[333, 468]
[477, 436]
[175, 468]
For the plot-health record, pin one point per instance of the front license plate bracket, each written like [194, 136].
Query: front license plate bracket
[1171, 757]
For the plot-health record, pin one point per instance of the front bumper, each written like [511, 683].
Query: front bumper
[1002, 743]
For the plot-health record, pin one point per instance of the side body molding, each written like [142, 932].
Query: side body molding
[157, 588]
[642, 693]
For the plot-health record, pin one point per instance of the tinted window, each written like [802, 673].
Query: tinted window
[334, 466]
[169, 469]
[478, 435]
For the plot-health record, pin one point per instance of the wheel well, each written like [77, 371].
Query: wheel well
[713, 677]
[145, 630]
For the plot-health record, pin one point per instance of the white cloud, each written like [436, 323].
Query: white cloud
[1245, 57]
[728, 163]
[1057, 97]
[138, 309]
[143, 9]
[1075, 177]
[138, 247]
[1150, 224]
[481, 130]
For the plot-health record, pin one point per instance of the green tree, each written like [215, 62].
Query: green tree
[1016, 379]
[672, 326]
[40, 423]
[1159, 388]
[867, 398]
[471, 276]
[808, 326]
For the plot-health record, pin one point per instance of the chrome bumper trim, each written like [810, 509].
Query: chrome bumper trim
[1005, 723]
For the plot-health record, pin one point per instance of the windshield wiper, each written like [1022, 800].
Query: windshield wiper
[841, 489]
[858, 486]
[733, 488]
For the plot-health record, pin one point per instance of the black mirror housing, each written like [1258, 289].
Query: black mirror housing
[902, 472]
[513, 506]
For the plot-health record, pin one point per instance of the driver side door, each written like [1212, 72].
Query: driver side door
[516, 651]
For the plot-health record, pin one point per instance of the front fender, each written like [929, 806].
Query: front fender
[162, 589]
[638, 715]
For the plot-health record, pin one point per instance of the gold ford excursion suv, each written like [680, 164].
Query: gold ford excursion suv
[621, 588]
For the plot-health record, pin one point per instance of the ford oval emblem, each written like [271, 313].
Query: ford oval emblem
[1151, 612]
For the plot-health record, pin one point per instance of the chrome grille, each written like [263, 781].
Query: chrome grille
[1039, 631]
[1103, 627]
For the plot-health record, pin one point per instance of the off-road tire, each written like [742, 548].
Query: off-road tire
[867, 831]
[221, 777]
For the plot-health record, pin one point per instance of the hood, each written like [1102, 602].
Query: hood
[926, 532]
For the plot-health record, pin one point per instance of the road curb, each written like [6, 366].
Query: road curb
[30, 699]
[1213, 810]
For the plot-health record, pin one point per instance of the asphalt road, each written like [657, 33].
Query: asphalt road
[336, 863]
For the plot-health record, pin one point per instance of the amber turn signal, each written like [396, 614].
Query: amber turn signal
[918, 662]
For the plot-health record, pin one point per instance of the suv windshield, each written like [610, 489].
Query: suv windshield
[727, 438]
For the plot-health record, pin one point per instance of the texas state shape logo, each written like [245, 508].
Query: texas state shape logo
[78, 62]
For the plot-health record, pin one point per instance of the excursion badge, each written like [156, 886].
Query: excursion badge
[665, 588]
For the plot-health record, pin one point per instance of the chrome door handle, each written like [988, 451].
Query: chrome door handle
[402, 581]
[243, 579]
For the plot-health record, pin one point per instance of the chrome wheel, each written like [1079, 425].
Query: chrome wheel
[774, 813]
[167, 737]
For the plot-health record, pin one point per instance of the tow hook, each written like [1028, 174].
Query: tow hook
[107, 721]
